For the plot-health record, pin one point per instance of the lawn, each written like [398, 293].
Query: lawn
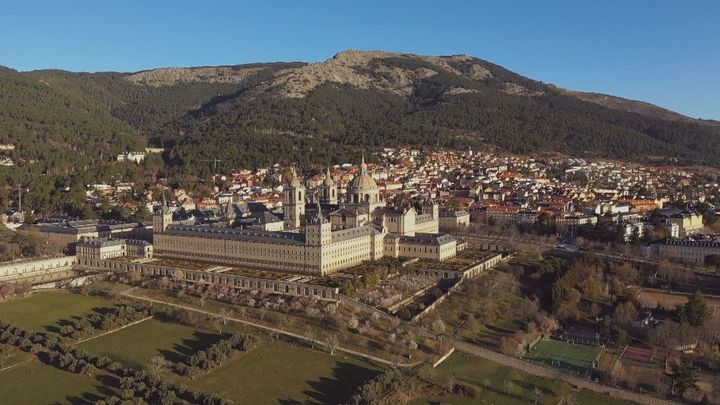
[135, 345]
[37, 383]
[492, 378]
[11, 355]
[562, 354]
[42, 310]
[275, 371]
[281, 372]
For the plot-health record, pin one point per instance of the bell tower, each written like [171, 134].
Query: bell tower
[328, 191]
[294, 202]
[318, 230]
[162, 219]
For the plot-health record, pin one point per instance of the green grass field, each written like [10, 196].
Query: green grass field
[37, 383]
[280, 372]
[275, 372]
[42, 310]
[12, 355]
[136, 344]
[491, 378]
[562, 354]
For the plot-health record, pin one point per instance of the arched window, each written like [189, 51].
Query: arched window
[299, 195]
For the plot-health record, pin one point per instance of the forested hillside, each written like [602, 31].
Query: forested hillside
[379, 99]
[68, 127]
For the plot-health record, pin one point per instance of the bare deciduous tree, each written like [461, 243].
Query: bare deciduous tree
[225, 314]
[157, 365]
[509, 387]
[332, 342]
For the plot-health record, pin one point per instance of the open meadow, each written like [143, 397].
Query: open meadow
[276, 371]
[41, 311]
[273, 372]
[135, 345]
[283, 373]
[37, 383]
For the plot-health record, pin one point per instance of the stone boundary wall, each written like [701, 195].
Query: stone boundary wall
[470, 272]
[34, 268]
[396, 306]
[481, 243]
[466, 275]
[231, 280]
[436, 303]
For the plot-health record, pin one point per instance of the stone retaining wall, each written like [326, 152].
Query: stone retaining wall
[231, 280]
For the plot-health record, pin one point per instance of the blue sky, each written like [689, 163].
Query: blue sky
[660, 51]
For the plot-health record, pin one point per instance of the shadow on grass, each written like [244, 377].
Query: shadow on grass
[339, 387]
[65, 322]
[188, 347]
[498, 330]
[52, 328]
[531, 387]
[506, 395]
[103, 391]
[102, 310]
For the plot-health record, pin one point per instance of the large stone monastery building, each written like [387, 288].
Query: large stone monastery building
[319, 238]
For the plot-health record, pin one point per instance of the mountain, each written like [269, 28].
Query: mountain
[373, 99]
[255, 114]
[639, 107]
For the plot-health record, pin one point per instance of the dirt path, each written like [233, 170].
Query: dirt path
[465, 347]
[22, 363]
[128, 293]
[112, 330]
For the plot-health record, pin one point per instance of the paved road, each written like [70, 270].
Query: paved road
[546, 372]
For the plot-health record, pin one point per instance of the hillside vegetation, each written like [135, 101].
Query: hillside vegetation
[69, 126]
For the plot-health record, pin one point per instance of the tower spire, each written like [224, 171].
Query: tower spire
[363, 165]
[320, 218]
[165, 207]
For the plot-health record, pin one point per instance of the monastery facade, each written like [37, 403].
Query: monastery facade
[317, 239]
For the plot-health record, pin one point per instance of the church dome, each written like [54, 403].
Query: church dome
[363, 181]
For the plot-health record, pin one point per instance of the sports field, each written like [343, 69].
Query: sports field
[564, 355]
